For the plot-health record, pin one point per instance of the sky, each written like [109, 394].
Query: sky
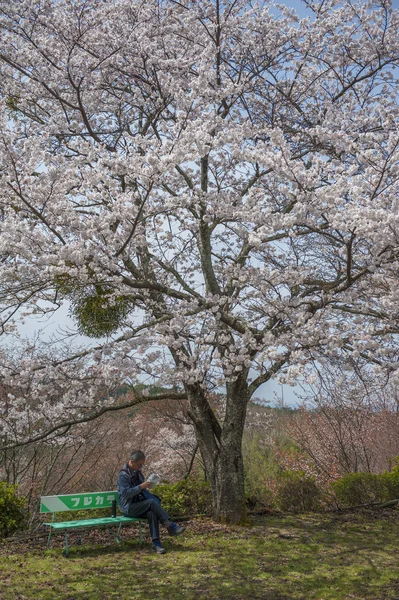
[299, 6]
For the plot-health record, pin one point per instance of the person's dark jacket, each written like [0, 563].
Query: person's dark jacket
[129, 489]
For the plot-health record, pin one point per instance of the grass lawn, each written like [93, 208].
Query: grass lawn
[294, 557]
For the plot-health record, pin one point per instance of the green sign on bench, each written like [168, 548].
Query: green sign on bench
[54, 504]
[92, 500]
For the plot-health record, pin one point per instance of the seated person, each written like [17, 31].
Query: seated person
[135, 500]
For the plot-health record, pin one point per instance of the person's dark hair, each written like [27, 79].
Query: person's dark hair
[137, 455]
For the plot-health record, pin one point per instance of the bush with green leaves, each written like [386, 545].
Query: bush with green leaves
[262, 466]
[359, 488]
[391, 483]
[365, 488]
[187, 497]
[13, 511]
[297, 492]
[259, 465]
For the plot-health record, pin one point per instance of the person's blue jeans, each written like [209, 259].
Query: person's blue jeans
[152, 510]
[149, 496]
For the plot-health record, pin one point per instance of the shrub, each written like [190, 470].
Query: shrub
[186, 498]
[360, 488]
[259, 465]
[297, 492]
[264, 460]
[391, 483]
[12, 510]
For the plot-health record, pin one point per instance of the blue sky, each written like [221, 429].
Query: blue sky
[299, 6]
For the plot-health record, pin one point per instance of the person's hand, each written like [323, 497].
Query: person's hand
[146, 485]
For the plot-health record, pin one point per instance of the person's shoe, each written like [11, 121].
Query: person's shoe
[176, 529]
[157, 547]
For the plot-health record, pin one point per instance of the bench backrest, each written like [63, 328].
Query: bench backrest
[52, 504]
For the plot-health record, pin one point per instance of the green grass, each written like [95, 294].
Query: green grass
[305, 557]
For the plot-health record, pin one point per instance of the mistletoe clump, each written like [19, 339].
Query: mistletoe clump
[98, 312]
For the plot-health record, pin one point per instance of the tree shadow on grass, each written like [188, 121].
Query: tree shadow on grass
[80, 551]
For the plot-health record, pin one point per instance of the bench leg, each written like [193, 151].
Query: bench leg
[49, 539]
[140, 534]
[66, 551]
[118, 537]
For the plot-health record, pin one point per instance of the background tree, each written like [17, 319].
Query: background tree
[349, 422]
[215, 181]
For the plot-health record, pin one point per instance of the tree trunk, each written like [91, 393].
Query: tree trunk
[228, 492]
[221, 450]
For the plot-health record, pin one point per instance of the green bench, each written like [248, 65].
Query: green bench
[92, 500]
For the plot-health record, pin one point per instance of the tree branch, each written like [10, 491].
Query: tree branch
[66, 425]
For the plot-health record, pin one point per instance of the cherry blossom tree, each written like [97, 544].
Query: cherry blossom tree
[167, 434]
[213, 186]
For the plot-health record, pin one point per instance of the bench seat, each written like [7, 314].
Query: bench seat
[99, 522]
